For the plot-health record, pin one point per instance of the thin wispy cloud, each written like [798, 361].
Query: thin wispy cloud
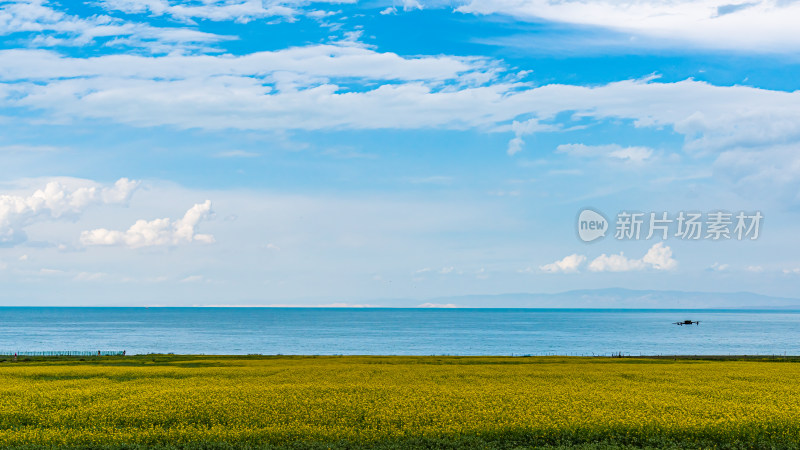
[236, 154]
[759, 26]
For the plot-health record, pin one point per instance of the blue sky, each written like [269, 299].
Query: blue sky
[229, 152]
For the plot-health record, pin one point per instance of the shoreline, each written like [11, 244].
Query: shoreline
[179, 357]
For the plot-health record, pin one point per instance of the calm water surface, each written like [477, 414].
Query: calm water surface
[324, 331]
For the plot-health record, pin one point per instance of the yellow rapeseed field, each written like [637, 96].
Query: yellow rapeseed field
[398, 401]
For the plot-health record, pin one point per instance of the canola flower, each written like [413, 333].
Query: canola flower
[371, 401]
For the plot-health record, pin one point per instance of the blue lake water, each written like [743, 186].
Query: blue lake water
[388, 331]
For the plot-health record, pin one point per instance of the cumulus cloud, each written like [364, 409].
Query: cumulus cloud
[658, 257]
[156, 232]
[758, 26]
[615, 263]
[569, 264]
[62, 199]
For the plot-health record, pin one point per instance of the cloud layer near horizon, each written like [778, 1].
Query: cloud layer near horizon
[658, 257]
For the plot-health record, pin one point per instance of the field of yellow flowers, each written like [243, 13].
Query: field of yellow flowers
[397, 402]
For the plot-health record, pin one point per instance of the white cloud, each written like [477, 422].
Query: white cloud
[242, 11]
[756, 269]
[310, 88]
[409, 5]
[20, 148]
[442, 180]
[515, 145]
[296, 89]
[613, 151]
[35, 16]
[89, 276]
[569, 264]
[758, 26]
[443, 271]
[291, 68]
[632, 154]
[192, 279]
[718, 267]
[437, 305]
[759, 170]
[61, 199]
[522, 129]
[50, 27]
[615, 263]
[658, 257]
[155, 232]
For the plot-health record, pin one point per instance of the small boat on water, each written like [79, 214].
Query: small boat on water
[687, 322]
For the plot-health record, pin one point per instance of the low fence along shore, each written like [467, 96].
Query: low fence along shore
[65, 353]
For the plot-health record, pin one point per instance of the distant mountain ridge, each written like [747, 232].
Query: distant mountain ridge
[621, 298]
